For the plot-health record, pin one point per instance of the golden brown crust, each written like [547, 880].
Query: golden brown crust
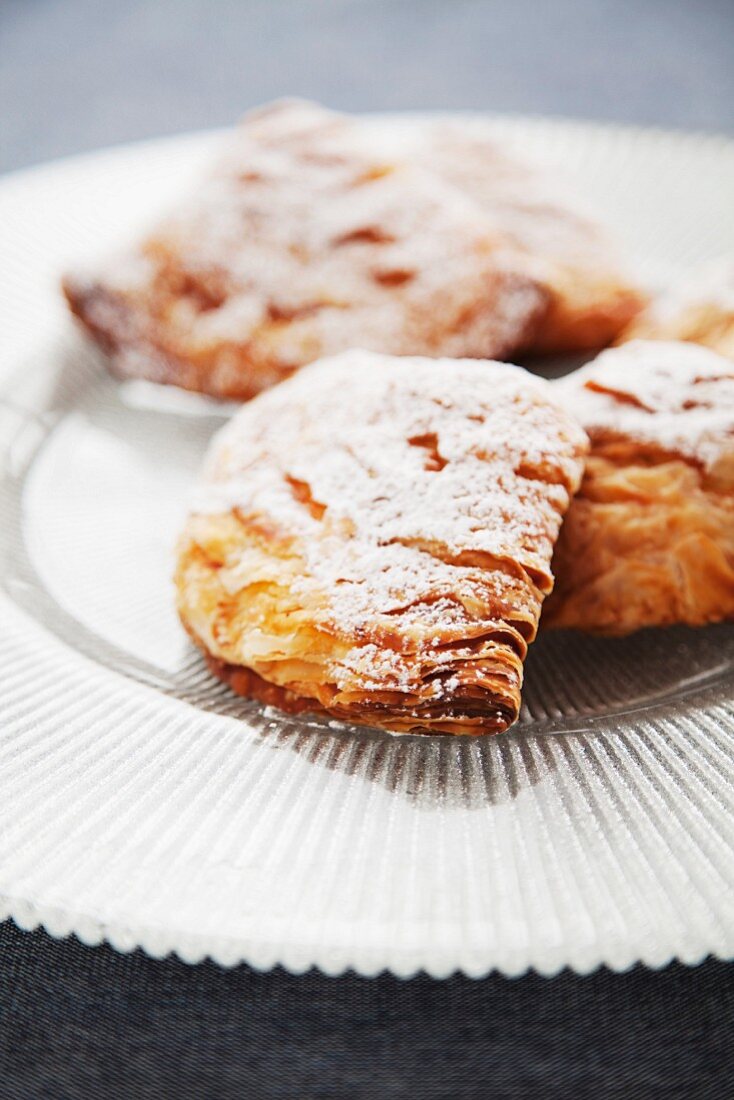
[135, 333]
[590, 296]
[699, 309]
[574, 322]
[245, 682]
[644, 544]
[372, 539]
[649, 538]
[307, 240]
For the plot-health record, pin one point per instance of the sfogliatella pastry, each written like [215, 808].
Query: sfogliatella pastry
[317, 232]
[698, 308]
[649, 538]
[372, 539]
[590, 294]
[307, 239]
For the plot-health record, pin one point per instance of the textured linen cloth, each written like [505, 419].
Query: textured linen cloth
[80, 1023]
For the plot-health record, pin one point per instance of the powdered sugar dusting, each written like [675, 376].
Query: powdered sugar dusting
[673, 396]
[408, 483]
[307, 239]
[529, 207]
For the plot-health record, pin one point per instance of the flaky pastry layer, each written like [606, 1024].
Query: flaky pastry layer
[649, 538]
[372, 540]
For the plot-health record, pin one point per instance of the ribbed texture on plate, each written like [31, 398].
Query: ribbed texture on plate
[141, 802]
[148, 821]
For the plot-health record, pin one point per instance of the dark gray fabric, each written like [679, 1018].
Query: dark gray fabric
[88, 1023]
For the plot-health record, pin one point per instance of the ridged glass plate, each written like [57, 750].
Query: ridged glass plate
[142, 803]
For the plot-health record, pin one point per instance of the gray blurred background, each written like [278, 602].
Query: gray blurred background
[78, 74]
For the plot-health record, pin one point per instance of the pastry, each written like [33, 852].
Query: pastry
[649, 539]
[317, 232]
[372, 539]
[306, 240]
[590, 295]
[698, 308]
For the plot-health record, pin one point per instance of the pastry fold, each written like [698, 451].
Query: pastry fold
[307, 239]
[649, 538]
[372, 539]
[698, 308]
